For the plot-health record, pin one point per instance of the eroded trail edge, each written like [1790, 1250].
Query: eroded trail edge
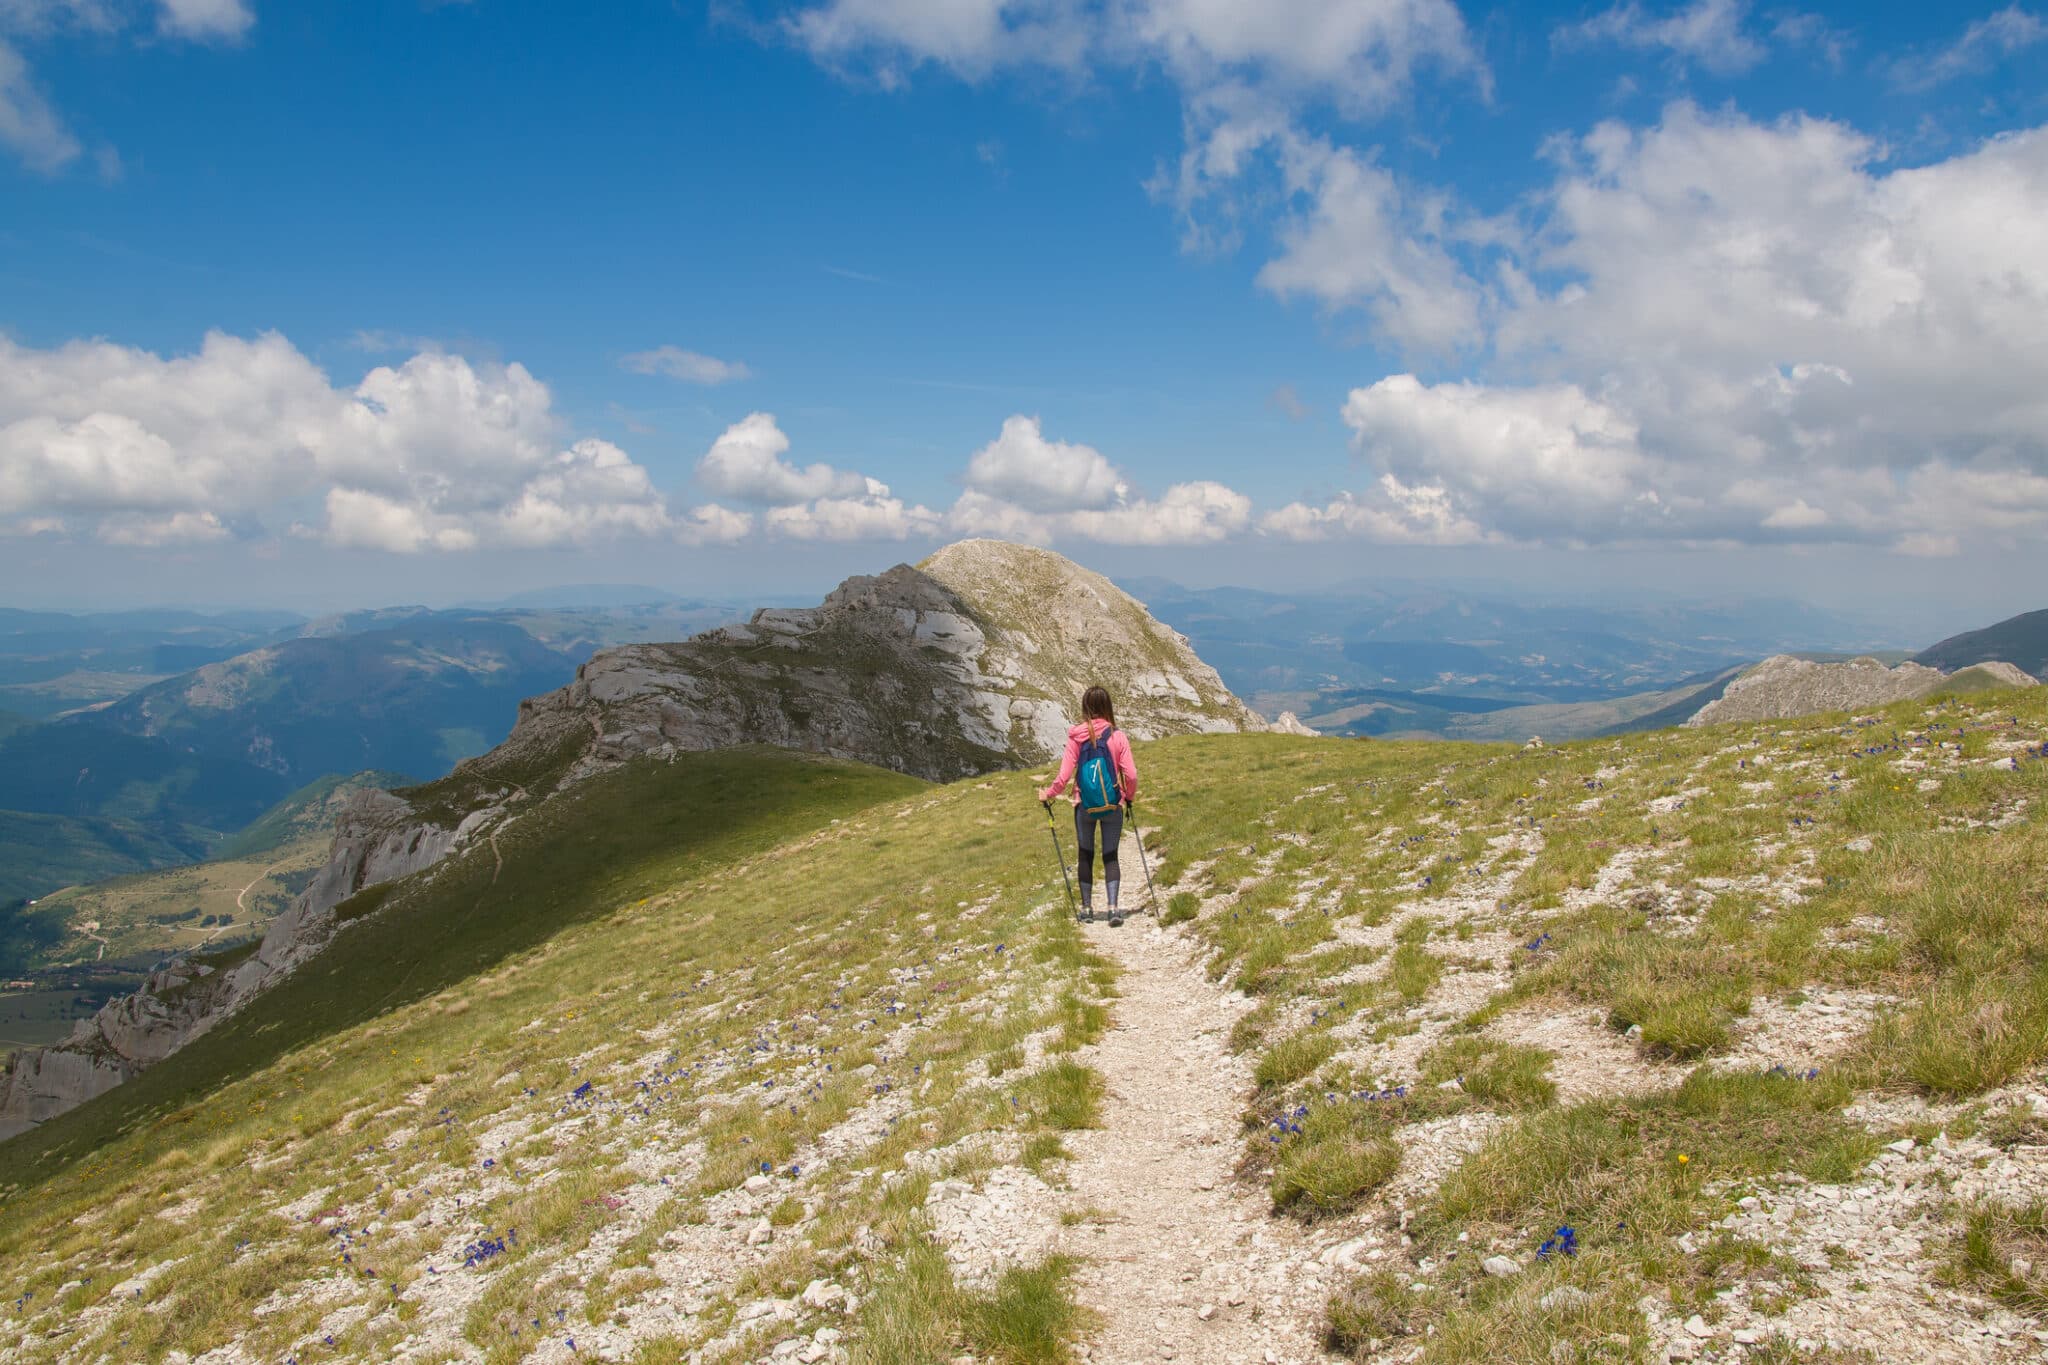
[1183, 1261]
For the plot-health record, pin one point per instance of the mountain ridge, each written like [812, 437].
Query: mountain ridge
[968, 663]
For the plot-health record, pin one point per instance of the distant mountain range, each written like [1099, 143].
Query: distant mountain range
[1404, 658]
[1415, 661]
[168, 767]
[2021, 641]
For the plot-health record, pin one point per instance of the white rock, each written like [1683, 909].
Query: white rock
[760, 1234]
[1697, 1326]
[1499, 1266]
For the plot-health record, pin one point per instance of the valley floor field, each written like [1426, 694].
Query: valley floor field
[1721, 1044]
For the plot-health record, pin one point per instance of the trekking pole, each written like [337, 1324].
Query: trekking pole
[1143, 861]
[1054, 830]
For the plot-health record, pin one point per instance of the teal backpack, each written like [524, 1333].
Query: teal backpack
[1095, 774]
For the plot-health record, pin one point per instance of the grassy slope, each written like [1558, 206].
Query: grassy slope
[623, 835]
[1378, 863]
[40, 853]
[1334, 881]
[749, 912]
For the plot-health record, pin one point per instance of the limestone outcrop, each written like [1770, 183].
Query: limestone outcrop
[1784, 686]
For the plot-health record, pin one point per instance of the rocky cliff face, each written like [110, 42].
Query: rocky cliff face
[969, 662]
[1783, 686]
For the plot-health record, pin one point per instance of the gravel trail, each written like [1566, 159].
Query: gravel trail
[1190, 1264]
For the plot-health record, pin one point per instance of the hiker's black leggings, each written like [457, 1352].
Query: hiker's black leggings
[1110, 824]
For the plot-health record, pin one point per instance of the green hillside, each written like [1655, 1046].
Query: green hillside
[2020, 640]
[721, 1054]
[143, 917]
[187, 762]
[309, 810]
[40, 853]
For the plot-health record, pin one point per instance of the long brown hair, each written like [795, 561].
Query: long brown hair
[1096, 705]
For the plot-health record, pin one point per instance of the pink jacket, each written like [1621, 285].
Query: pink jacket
[1119, 754]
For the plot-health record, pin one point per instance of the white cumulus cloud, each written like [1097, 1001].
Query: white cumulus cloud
[873, 514]
[746, 462]
[1391, 513]
[1366, 242]
[1021, 466]
[434, 454]
[1201, 512]
[1024, 486]
[1741, 331]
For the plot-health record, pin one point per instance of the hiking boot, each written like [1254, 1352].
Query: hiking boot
[1116, 919]
[1086, 917]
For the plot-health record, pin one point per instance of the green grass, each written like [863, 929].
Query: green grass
[1378, 1309]
[2004, 1251]
[918, 1313]
[1062, 1095]
[1507, 1075]
[1027, 1317]
[1293, 1059]
[1670, 957]
[1605, 1163]
[1342, 1154]
[1414, 971]
[1975, 923]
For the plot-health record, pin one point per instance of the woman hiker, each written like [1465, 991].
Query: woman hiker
[1105, 777]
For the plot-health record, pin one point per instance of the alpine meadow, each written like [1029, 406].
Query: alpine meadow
[1023, 682]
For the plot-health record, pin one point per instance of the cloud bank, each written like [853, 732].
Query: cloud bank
[249, 438]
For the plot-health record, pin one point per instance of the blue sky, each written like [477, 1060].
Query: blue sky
[1705, 296]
